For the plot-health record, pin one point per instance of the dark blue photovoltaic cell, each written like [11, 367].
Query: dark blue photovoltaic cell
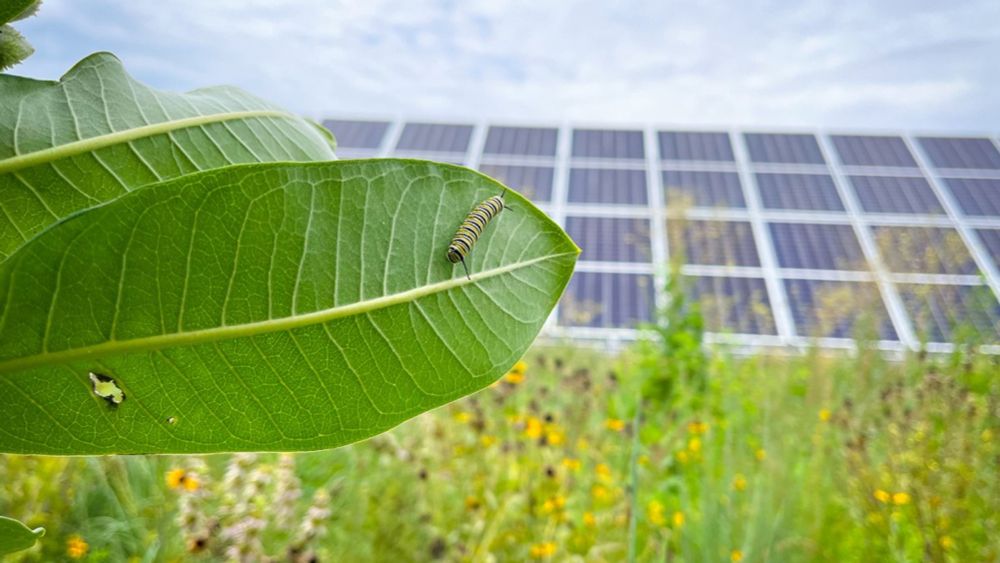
[979, 197]
[945, 152]
[607, 143]
[528, 141]
[598, 299]
[703, 189]
[779, 147]
[871, 150]
[891, 194]
[924, 250]
[991, 241]
[733, 305]
[611, 239]
[714, 243]
[605, 185]
[838, 309]
[695, 145]
[533, 182]
[817, 246]
[799, 191]
[434, 137]
[357, 134]
[939, 312]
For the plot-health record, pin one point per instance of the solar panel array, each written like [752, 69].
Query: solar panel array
[786, 238]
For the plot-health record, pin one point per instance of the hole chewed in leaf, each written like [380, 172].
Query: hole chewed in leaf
[106, 388]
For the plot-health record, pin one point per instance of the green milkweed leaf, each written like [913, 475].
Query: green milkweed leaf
[267, 307]
[97, 133]
[15, 536]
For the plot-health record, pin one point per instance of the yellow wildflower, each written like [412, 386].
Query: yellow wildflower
[589, 520]
[694, 445]
[191, 483]
[654, 510]
[554, 437]
[76, 547]
[881, 495]
[514, 378]
[600, 492]
[901, 498]
[736, 555]
[946, 542]
[571, 463]
[543, 550]
[533, 428]
[175, 477]
[678, 519]
[824, 415]
[472, 503]
[487, 440]
[760, 454]
[554, 503]
[682, 456]
[604, 473]
[615, 424]
[739, 482]
[520, 367]
[462, 417]
[697, 427]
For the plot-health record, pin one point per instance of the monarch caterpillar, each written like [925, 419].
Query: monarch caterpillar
[468, 233]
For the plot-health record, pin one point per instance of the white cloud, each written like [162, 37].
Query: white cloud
[852, 64]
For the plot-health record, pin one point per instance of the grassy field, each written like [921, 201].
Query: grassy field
[810, 458]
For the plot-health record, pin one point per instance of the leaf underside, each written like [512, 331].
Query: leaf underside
[273, 307]
[97, 133]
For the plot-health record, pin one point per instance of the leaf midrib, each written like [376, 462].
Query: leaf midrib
[91, 144]
[116, 347]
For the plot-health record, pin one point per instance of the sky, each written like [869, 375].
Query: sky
[915, 65]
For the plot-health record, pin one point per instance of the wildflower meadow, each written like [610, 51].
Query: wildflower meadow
[768, 458]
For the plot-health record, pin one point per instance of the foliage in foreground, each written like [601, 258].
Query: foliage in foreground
[784, 459]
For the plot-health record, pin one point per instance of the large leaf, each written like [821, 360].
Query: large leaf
[97, 133]
[267, 307]
[15, 536]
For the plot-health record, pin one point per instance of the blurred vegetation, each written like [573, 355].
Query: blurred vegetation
[813, 457]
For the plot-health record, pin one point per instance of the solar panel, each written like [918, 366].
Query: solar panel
[991, 241]
[873, 150]
[607, 185]
[979, 197]
[599, 299]
[838, 309]
[608, 143]
[435, 137]
[702, 189]
[611, 239]
[799, 191]
[715, 243]
[953, 152]
[357, 134]
[783, 147]
[891, 194]
[695, 145]
[929, 250]
[817, 246]
[525, 141]
[534, 182]
[729, 304]
[950, 313]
